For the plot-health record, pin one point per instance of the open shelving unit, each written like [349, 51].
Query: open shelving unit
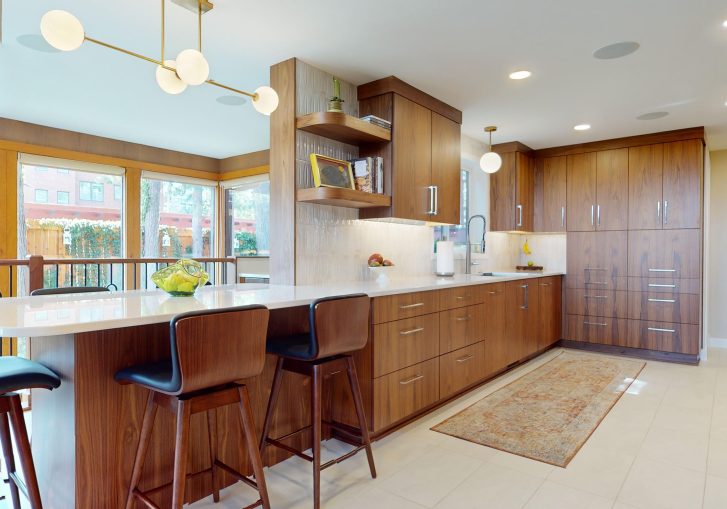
[343, 128]
[341, 197]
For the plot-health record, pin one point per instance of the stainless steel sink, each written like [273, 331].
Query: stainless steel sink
[500, 274]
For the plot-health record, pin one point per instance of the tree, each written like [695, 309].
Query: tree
[150, 201]
[197, 239]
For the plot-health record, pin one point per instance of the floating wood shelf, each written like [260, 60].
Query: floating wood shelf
[342, 127]
[341, 197]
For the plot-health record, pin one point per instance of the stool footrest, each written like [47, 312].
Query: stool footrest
[237, 475]
[292, 450]
[344, 457]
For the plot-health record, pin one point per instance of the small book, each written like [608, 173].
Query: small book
[373, 119]
[363, 174]
[380, 175]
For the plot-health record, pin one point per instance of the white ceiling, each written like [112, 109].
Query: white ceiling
[460, 51]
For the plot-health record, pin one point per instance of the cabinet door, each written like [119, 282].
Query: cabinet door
[516, 319]
[412, 160]
[683, 172]
[554, 194]
[667, 254]
[550, 311]
[446, 168]
[581, 194]
[525, 193]
[503, 212]
[612, 189]
[531, 338]
[597, 260]
[645, 187]
[497, 342]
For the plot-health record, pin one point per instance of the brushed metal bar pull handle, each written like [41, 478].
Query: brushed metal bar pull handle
[562, 216]
[595, 296]
[658, 210]
[597, 324]
[411, 331]
[431, 200]
[594, 268]
[656, 329]
[544, 284]
[520, 215]
[598, 283]
[463, 318]
[466, 358]
[436, 200]
[463, 297]
[668, 301]
[412, 379]
[662, 270]
[526, 297]
[666, 212]
[656, 285]
[592, 221]
[409, 306]
[494, 293]
[599, 215]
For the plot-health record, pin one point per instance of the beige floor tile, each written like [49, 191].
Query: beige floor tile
[522, 464]
[431, 477]
[717, 461]
[656, 485]
[683, 419]
[619, 435]
[688, 450]
[492, 486]
[719, 420]
[692, 397]
[595, 470]
[715, 493]
[555, 496]
[372, 498]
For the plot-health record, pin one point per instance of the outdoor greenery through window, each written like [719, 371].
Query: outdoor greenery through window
[247, 217]
[177, 218]
[66, 212]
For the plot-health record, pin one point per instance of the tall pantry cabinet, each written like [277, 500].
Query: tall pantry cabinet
[635, 268]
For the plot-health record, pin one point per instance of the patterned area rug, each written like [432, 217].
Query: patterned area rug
[549, 413]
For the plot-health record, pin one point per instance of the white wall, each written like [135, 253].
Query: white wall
[716, 247]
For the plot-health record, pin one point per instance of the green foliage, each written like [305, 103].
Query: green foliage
[246, 244]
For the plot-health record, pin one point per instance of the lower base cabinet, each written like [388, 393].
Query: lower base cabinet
[461, 368]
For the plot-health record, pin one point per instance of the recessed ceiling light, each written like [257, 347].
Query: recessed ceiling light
[724, 23]
[653, 115]
[582, 127]
[617, 50]
[520, 75]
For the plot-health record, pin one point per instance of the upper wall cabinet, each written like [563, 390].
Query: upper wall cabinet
[598, 190]
[665, 185]
[550, 194]
[512, 193]
[422, 163]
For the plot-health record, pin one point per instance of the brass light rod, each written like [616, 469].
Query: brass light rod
[159, 63]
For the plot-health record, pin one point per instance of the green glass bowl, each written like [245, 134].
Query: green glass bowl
[186, 273]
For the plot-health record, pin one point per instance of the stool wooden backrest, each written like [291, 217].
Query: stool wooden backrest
[217, 348]
[340, 324]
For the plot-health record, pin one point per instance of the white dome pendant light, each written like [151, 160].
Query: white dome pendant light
[491, 161]
[63, 31]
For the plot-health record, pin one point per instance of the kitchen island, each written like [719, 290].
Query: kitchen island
[85, 433]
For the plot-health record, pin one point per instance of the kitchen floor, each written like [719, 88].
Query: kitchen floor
[664, 445]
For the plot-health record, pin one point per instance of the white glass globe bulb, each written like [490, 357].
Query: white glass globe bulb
[266, 100]
[62, 30]
[490, 162]
[168, 80]
[192, 67]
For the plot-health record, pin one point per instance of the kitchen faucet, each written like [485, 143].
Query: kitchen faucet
[468, 251]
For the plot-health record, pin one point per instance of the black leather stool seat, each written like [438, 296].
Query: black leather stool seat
[298, 346]
[17, 373]
[158, 376]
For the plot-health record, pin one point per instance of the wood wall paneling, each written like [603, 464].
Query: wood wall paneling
[282, 175]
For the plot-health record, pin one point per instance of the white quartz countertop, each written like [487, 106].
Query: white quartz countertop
[72, 313]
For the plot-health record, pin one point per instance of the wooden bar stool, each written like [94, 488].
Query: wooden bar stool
[17, 373]
[210, 352]
[338, 327]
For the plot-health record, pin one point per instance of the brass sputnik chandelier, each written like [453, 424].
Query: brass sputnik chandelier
[64, 31]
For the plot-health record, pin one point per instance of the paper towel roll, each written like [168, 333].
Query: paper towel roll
[445, 258]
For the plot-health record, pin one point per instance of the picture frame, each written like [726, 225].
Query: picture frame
[330, 172]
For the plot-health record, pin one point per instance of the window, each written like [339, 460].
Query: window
[76, 229]
[177, 216]
[118, 193]
[41, 196]
[91, 191]
[458, 233]
[247, 217]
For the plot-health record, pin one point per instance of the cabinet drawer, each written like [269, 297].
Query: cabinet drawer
[665, 285]
[405, 305]
[674, 308]
[596, 303]
[405, 392]
[405, 342]
[596, 329]
[461, 327]
[461, 368]
[664, 337]
[673, 254]
[596, 280]
[461, 296]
